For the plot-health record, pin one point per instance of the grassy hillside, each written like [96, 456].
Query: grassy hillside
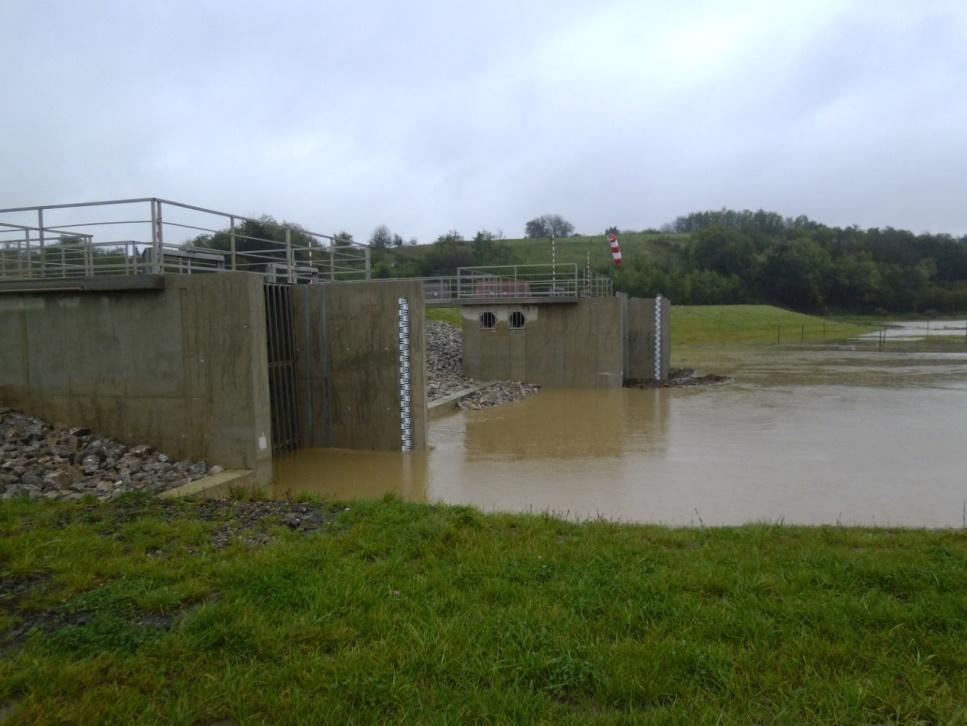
[151, 612]
[752, 325]
[574, 249]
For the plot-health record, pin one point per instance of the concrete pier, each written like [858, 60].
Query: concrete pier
[179, 363]
[601, 342]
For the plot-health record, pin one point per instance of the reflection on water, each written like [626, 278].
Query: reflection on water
[802, 436]
[351, 474]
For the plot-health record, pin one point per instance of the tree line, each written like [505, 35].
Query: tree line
[762, 257]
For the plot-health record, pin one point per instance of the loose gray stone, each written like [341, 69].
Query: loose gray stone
[56, 462]
[444, 371]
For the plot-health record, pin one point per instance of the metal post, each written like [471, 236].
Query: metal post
[231, 238]
[26, 255]
[367, 249]
[553, 263]
[289, 266]
[157, 238]
[332, 258]
[43, 251]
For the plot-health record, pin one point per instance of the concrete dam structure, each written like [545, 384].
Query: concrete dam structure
[603, 342]
[216, 367]
[240, 348]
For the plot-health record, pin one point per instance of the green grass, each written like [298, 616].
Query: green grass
[400, 612]
[733, 325]
[575, 249]
[445, 315]
[753, 325]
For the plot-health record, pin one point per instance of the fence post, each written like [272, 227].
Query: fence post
[231, 237]
[43, 251]
[778, 335]
[802, 334]
[25, 258]
[289, 266]
[368, 261]
[332, 258]
[157, 239]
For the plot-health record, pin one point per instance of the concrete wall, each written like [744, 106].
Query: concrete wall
[347, 364]
[182, 367]
[592, 343]
[566, 345]
[641, 339]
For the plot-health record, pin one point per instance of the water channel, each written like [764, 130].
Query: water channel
[802, 435]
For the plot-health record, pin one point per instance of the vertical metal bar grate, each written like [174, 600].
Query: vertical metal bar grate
[406, 424]
[281, 354]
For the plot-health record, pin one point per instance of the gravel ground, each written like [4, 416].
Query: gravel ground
[444, 371]
[41, 460]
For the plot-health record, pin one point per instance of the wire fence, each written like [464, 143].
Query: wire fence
[825, 331]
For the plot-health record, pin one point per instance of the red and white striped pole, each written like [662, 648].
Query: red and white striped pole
[615, 249]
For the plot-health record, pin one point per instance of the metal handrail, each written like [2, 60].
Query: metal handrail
[332, 258]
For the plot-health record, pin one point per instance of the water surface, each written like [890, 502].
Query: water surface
[803, 435]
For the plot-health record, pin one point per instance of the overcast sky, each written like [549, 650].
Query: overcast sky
[428, 116]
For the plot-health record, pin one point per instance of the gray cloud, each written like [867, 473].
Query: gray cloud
[430, 115]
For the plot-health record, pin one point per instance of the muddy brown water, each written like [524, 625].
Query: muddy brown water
[806, 436]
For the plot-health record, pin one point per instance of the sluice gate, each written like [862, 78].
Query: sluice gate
[283, 403]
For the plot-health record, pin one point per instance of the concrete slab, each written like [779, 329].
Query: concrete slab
[448, 404]
[216, 486]
[107, 283]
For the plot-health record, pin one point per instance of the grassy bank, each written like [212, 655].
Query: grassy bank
[445, 315]
[576, 249]
[149, 612]
[753, 325]
[696, 325]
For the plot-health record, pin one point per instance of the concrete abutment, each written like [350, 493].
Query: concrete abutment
[602, 342]
[180, 362]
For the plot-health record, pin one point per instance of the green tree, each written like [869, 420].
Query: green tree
[382, 238]
[547, 225]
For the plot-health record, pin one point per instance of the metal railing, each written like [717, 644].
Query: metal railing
[516, 282]
[530, 281]
[152, 235]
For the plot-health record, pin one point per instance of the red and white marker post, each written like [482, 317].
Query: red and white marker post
[615, 249]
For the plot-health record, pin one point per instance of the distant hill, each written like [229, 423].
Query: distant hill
[574, 249]
[723, 257]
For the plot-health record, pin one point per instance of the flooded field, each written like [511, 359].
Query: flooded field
[802, 435]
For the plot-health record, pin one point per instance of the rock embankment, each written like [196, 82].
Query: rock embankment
[40, 460]
[444, 360]
[444, 372]
[680, 377]
[499, 393]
